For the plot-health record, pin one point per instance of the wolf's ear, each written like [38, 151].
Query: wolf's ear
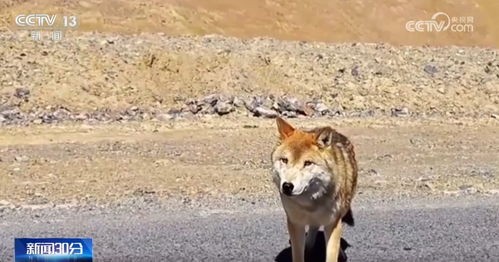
[324, 136]
[285, 129]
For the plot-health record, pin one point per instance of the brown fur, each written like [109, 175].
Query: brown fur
[332, 153]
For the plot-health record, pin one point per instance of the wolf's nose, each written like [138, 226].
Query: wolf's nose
[287, 188]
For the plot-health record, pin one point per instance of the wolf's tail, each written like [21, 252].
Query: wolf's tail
[348, 218]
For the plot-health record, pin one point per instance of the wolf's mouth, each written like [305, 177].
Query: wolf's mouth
[309, 189]
[296, 194]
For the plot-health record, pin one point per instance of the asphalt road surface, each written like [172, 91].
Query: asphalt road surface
[449, 229]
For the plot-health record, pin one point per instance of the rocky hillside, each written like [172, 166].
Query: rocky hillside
[154, 73]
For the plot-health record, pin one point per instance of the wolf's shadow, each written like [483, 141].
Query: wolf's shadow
[317, 253]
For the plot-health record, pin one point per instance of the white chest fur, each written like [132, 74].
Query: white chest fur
[306, 211]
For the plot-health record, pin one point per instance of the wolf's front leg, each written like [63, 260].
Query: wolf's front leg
[297, 236]
[333, 240]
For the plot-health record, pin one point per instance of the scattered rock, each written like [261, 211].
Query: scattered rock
[165, 117]
[322, 109]
[385, 157]
[372, 172]
[209, 106]
[185, 115]
[132, 110]
[265, 112]
[21, 158]
[11, 114]
[49, 118]
[62, 114]
[468, 189]
[223, 108]
[210, 99]
[253, 103]
[400, 112]
[22, 93]
[416, 141]
[427, 185]
[483, 172]
[493, 191]
[327, 70]
[289, 114]
[451, 193]
[289, 104]
[430, 69]
[423, 179]
[37, 121]
[355, 71]
[81, 116]
[192, 106]
[307, 111]
[143, 192]
[186, 200]
[237, 102]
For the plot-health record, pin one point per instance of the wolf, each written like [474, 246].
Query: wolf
[315, 172]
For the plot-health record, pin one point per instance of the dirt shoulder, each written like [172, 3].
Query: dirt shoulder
[74, 164]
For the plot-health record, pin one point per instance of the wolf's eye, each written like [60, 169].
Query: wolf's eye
[284, 160]
[307, 163]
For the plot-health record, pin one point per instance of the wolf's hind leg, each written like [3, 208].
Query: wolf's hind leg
[333, 239]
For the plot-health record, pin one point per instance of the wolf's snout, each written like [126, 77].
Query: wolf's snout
[287, 188]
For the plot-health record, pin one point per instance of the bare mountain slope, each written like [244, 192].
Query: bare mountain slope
[323, 20]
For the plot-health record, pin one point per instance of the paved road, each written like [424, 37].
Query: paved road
[406, 230]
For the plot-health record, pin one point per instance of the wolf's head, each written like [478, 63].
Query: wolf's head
[300, 161]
